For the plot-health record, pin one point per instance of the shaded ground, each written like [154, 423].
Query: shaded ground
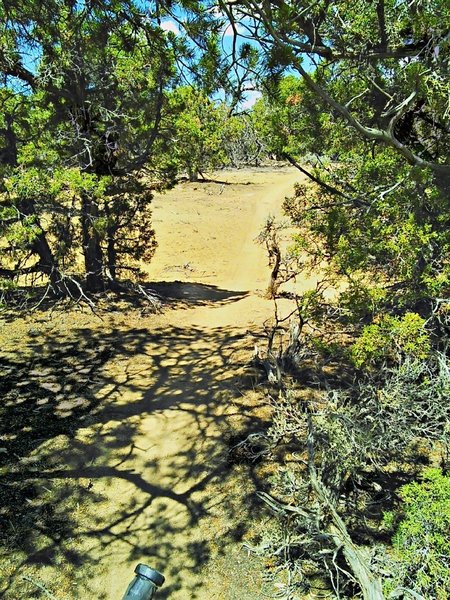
[114, 438]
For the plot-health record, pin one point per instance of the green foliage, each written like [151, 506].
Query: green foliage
[242, 142]
[23, 234]
[421, 542]
[391, 338]
[378, 218]
[77, 128]
[384, 234]
[281, 118]
[6, 285]
[197, 125]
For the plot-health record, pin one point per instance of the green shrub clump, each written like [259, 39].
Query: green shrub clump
[422, 541]
[391, 338]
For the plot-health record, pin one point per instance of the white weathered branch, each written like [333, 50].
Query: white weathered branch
[369, 583]
[371, 133]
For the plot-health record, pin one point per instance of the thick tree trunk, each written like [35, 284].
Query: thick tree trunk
[47, 262]
[93, 256]
[192, 173]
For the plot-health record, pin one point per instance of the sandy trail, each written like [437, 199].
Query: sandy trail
[172, 500]
[154, 455]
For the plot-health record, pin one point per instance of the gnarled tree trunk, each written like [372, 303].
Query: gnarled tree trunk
[47, 262]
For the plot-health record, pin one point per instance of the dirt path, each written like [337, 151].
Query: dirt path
[191, 523]
[153, 454]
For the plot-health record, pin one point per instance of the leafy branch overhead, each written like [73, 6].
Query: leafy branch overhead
[381, 67]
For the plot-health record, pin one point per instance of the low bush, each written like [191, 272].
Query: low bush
[421, 543]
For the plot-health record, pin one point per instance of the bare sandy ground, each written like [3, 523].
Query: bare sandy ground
[193, 524]
[154, 453]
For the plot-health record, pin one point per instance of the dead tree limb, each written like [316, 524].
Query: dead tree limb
[370, 584]
[40, 586]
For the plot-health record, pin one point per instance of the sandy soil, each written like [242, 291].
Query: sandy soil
[152, 454]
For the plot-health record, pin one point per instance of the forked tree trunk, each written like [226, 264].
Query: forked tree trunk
[40, 246]
[48, 265]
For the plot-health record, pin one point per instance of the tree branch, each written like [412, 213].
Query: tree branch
[322, 183]
[370, 585]
[19, 71]
[371, 133]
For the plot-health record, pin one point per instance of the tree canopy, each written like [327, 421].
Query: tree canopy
[380, 67]
[85, 95]
[371, 93]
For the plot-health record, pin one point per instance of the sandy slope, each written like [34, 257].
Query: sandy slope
[154, 453]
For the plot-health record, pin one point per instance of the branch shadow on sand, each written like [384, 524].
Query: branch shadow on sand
[102, 413]
[194, 293]
[126, 295]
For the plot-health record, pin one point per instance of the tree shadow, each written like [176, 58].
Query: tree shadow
[194, 293]
[205, 179]
[27, 299]
[114, 451]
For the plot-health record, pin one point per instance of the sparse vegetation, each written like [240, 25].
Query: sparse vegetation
[106, 104]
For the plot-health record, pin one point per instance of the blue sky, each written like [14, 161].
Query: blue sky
[227, 39]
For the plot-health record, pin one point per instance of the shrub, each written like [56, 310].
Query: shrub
[422, 542]
[392, 338]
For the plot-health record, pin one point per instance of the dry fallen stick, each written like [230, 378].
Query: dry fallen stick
[40, 586]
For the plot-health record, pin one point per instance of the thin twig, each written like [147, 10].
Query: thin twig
[40, 586]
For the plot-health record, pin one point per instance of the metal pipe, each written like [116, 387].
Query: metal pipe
[144, 584]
